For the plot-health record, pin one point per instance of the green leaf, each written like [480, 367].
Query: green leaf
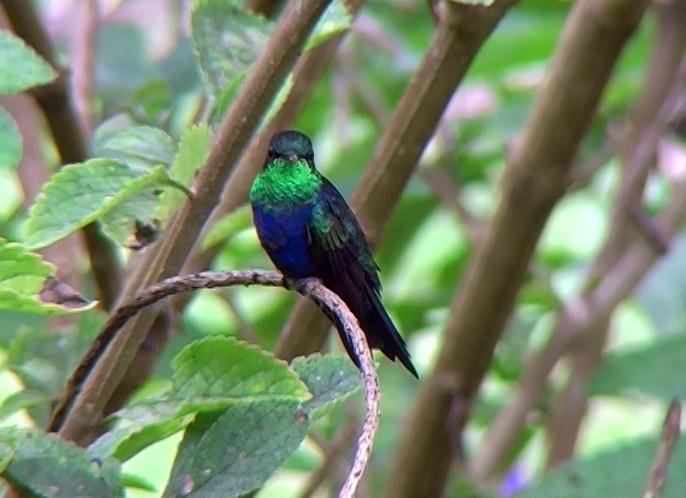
[81, 193]
[210, 374]
[330, 379]
[133, 222]
[23, 400]
[10, 141]
[140, 426]
[223, 100]
[194, 146]
[223, 366]
[645, 371]
[46, 465]
[227, 39]
[137, 482]
[42, 360]
[143, 425]
[336, 18]
[228, 226]
[143, 143]
[278, 100]
[23, 275]
[620, 471]
[152, 101]
[229, 454]
[22, 67]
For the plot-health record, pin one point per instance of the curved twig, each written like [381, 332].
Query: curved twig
[311, 288]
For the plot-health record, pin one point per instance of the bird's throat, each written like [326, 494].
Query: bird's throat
[283, 183]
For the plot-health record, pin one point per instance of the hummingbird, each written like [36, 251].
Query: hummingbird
[308, 230]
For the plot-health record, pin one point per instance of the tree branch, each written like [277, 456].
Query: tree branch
[83, 68]
[579, 319]
[668, 439]
[54, 101]
[652, 113]
[594, 35]
[170, 252]
[462, 30]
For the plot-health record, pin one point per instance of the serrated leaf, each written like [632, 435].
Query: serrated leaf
[227, 39]
[330, 379]
[645, 371]
[81, 193]
[151, 422]
[141, 426]
[10, 141]
[225, 367]
[22, 277]
[228, 226]
[620, 471]
[22, 67]
[210, 374]
[22, 271]
[229, 454]
[46, 465]
[144, 143]
[194, 146]
[124, 222]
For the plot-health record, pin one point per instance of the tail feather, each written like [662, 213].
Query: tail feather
[377, 326]
[393, 345]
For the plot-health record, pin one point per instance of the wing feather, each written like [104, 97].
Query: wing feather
[344, 262]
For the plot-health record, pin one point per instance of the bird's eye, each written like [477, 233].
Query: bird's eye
[271, 154]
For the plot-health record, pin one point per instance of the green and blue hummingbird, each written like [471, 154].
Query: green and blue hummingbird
[308, 230]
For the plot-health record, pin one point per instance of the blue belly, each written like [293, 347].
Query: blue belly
[283, 234]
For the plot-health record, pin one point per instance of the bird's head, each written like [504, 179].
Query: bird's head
[290, 147]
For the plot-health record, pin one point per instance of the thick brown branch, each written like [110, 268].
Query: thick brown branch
[593, 38]
[581, 319]
[54, 101]
[168, 255]
[629, 227]
[461, 32]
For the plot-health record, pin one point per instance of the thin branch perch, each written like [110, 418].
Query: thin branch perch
[311, 288]
[671, 429]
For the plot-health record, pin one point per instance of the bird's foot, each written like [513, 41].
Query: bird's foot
[304, 283]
